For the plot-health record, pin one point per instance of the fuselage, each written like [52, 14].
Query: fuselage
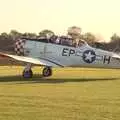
[81, 56]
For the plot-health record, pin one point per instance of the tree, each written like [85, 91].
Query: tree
[115, 37]
[29, 35]
[46, 33]
[4, 35]
[89, 37]
[15, 34]
[74, 32]
[6, 42]
[115, 42]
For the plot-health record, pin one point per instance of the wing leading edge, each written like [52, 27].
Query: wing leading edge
[37, 61]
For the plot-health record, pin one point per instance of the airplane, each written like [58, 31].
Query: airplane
[60, 52]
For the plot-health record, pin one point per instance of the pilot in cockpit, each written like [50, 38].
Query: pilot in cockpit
[77, 42]
[82, 43]
[75, 33]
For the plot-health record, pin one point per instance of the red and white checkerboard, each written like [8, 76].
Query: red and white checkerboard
[19, 47]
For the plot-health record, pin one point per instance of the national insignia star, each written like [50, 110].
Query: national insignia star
[89, 56]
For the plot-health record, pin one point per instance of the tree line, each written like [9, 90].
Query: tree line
[7, 40]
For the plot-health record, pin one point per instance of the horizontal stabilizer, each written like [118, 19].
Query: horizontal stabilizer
[116, 56]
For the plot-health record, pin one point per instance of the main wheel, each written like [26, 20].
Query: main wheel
[27, 74]
[47, 71]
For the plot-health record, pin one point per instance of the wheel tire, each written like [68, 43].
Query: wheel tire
[47, 71]
[27, 74]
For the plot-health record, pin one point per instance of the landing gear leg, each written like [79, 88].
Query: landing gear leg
[27, 72]
[47, 71]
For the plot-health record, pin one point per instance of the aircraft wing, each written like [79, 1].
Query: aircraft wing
[38, 61]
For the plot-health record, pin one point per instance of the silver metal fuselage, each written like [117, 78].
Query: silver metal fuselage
[84, 56]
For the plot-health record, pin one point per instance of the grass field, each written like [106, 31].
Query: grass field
[70, 94]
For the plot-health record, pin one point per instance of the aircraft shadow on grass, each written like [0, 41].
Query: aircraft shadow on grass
[40, 79]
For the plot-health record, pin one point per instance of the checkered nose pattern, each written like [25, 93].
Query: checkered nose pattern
[19, 47]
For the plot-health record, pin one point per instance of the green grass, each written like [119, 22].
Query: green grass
[70, 94]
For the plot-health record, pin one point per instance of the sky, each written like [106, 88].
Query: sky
[100, 17]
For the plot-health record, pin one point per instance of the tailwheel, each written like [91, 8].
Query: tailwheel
[27, 74]
[47, 71]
